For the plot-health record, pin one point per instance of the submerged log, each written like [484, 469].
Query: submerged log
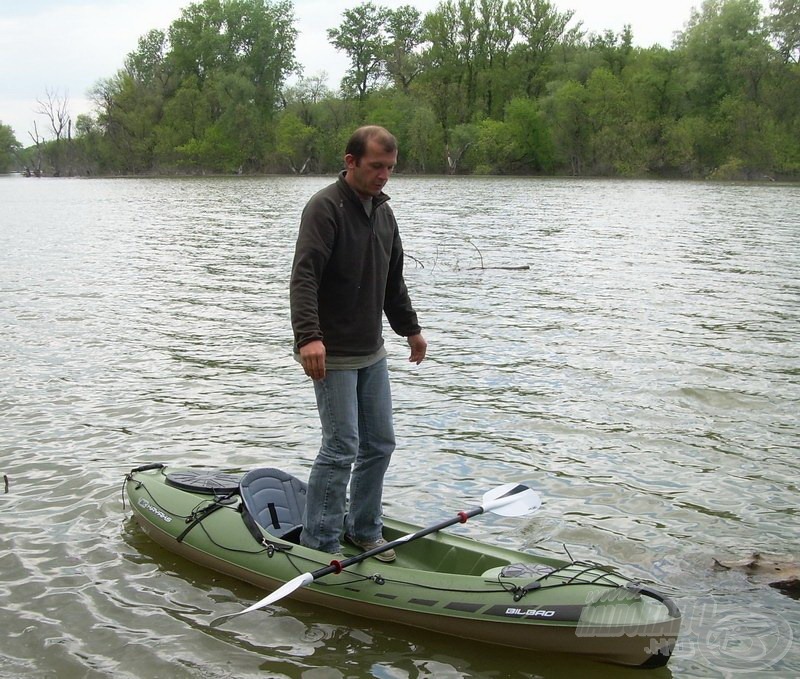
[780, 572]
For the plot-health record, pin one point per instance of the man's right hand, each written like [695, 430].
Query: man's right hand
[312, 358]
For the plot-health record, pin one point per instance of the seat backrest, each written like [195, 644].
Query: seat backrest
[275, 499]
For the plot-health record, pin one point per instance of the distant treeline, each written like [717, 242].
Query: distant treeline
[476, 86]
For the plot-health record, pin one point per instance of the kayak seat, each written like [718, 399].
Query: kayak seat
[276, 501]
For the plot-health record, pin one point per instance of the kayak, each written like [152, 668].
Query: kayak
[247, 525]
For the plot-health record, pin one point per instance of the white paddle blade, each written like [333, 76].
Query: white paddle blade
[512, 499]
[282, 591]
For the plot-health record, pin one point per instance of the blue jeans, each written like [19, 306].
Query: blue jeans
[355, 410]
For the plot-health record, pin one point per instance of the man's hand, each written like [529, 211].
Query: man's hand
[312, 358]
[418, 348]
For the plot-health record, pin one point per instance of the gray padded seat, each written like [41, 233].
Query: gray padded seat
[276, 500]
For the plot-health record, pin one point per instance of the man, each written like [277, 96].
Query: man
[348, 272]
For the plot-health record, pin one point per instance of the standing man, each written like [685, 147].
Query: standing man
[348, 272]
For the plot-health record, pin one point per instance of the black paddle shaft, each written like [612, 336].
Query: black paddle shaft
[339, 566]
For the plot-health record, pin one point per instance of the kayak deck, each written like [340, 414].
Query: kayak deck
[442, 582]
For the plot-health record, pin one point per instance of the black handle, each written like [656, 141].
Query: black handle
[148, 467]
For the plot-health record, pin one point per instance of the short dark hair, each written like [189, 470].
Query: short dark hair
[357, 145]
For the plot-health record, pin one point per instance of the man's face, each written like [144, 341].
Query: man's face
[368, 176]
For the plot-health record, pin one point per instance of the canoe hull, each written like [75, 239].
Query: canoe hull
[443, 583]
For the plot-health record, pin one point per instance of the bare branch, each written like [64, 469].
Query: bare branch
[54, 108]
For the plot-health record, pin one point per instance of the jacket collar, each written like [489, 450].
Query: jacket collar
[344, 186]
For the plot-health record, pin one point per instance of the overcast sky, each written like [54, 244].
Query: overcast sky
[66, 46]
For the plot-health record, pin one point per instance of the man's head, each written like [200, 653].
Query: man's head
[370, 157]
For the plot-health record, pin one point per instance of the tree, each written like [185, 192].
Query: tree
[149, 65]
[691, 145]
[570, 122]
[362, 38]
[303, 97]
[784, 27]
[426, 141]
[609, 113]
[88, 145]
[541, 26]
[462, 139]
[9, 148]
[725, 50]
[532, 148]
[295, 142]
[404, 31]
[442, 75]
[128, 114]
[615, 48]
[54, 107]
[467, 32]
[496, 31]
[203, 94]
[751, 138]
[494, 148]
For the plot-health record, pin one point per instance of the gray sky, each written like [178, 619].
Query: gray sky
[66, 46]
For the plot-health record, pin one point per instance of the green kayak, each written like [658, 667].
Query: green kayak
[247, 525]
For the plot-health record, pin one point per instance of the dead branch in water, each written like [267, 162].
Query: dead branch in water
[416, 261]
[482, 267]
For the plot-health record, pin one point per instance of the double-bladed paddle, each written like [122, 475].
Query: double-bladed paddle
[511, 499]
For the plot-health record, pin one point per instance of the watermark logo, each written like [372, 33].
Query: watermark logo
[732, 638]
[728, 637]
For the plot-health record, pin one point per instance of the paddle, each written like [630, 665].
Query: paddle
[511, 499]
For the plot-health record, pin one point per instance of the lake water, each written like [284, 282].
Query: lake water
[643, 375]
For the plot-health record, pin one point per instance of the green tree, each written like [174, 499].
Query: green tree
[462, 139]
[725, 51]
[9, 148]
[497, 26]
[127, 114]
[87, 146]
[392, 109]
[751, 139]
[541, 27]
[203, 94]
[361, 36]
[653, 81]
[615, 49]
[404, 30]
[532, 148]
[185, 116]
[295, 142]
[691, 145]
[784, 27]
[335, 118]
[571, 127]
[148, 64]
[304, 96]
[442, 77]
[608, 111]
[494, 148]
[426, 141]
[240, 129]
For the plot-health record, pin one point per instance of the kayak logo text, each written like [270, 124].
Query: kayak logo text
[530, 612]
[144, 504]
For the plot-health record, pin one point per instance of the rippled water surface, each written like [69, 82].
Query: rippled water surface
[642, 374]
